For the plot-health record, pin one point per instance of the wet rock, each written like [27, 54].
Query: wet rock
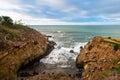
[49, 36]
[71, 51]
[52, 43]
[81, 47]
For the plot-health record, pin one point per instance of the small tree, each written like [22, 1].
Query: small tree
[6, 20]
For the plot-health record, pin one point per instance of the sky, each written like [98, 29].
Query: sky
[57, 12]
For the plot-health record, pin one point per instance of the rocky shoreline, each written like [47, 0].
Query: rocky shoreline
[19, 47]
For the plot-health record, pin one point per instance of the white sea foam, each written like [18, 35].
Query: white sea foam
[62, 55]
[59, 31]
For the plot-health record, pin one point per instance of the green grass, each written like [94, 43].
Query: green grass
[118, 69]
[116, 43]
[8, 30]
[18, 26]
[112, 42]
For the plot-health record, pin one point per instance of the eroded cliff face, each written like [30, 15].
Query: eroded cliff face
[18, 47]
[99, 58]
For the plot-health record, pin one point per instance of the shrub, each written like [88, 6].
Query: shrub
[6, 21]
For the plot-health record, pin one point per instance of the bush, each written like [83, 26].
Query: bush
[6, 21]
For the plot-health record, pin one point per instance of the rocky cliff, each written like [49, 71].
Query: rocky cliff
[19, 46]
[100, 58]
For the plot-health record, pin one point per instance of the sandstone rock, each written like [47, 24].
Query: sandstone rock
[25, 46]
[100, 55]
[118, 63]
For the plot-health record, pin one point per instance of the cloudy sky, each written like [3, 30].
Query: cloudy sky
[62, 11]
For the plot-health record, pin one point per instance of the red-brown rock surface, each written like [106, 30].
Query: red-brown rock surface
[99, 58]
[18, 47]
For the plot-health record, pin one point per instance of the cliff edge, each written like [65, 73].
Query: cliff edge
[19, 45]
[100, 58]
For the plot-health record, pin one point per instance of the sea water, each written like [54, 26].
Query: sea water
[72, 37]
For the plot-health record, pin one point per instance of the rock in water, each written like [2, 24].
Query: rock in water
[71, 51]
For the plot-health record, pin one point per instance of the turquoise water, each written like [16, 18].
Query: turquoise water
[79, 33]
[72, 37]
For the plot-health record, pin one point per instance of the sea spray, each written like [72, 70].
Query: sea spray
[62, 56]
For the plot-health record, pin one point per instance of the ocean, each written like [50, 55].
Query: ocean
[72, 37]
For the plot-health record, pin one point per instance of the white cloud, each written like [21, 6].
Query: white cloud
[113, 15]
[14, 9]
[15, 15]
[43, 21]
[17, 10]
[61, 5]
[70, 9]
[9, 4]
[56, 4]
[47, 21]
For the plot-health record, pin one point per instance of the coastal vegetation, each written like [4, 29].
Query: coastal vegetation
[6, 21]
[116, 42]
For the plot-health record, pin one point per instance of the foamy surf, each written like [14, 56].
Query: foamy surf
[63, 56]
